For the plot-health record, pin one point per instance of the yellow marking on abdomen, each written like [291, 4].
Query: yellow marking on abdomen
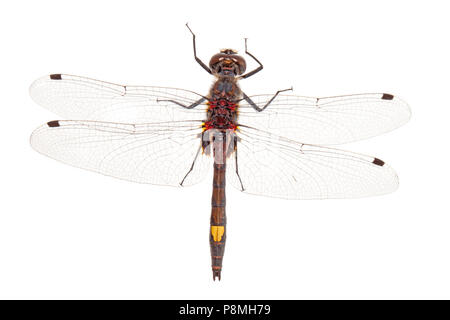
[217, 232]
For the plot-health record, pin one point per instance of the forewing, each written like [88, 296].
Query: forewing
[80, 98]
[269, 165]
[158, 153]
[326, 121]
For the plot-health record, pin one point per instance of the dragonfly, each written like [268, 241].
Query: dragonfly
[276, 145]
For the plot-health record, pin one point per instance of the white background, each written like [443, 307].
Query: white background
[69, 233]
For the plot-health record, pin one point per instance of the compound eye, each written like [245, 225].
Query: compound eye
[216, 59]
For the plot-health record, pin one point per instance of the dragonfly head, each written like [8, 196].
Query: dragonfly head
[227, 63]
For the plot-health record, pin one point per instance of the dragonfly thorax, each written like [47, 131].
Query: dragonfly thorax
[225, 88]
[222, 114]
[223, 104]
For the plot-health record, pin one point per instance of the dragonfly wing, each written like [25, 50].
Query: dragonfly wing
[270, 165]
[80, 98]
[157, 153]
[326, 121]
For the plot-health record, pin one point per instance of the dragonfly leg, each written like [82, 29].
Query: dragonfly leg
[251, 73]
[253, 104]
[236, 162]
[192, 166]
[200, 62]
[191, 106]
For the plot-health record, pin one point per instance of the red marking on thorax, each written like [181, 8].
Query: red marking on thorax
[222, 103]
[221, 115]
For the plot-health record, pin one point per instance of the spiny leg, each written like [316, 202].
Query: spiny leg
[192, 166]
[191, 106]
[200, 62]
[249, 74]
[237, 169]
[250, 101]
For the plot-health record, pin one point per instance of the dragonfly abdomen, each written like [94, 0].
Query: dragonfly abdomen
[217, 234]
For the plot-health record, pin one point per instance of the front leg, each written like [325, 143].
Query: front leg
[245, 76]
[250, 101]
[191, 106]
[200, 62]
